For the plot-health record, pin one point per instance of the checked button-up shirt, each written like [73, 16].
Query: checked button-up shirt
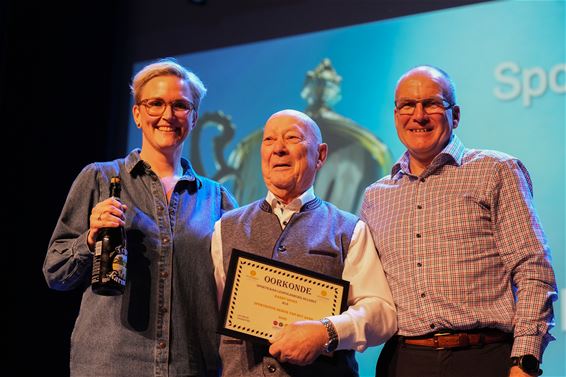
[462, 247]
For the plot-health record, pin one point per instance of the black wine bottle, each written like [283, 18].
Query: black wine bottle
[110, 255]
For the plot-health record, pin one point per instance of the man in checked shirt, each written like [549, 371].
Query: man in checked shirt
[461, 245]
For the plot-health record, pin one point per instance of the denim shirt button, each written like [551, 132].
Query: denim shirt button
[165, 240]
[164, 274]
[162, 344]
[271, 368]
[163, 309]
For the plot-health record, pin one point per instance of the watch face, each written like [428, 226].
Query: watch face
[529, 363]
[331, 345]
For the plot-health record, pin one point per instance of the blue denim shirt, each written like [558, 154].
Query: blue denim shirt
[165, 322]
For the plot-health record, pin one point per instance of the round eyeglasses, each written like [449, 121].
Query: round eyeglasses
[430, 106]
[156, 107]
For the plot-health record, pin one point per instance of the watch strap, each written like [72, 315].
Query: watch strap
[332, 342]
[528, 364]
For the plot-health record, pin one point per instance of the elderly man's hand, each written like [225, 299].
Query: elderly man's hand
[299, 343]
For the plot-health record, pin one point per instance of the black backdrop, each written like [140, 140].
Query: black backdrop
[65, 70]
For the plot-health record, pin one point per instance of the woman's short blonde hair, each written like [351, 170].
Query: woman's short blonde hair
[164, 67]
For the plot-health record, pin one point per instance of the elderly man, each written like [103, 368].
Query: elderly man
[292, 225]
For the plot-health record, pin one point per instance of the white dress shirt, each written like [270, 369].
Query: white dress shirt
[371, 317]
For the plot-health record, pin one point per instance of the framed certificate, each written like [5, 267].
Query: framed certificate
[262, 295]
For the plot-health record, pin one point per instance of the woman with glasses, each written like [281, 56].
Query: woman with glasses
[165, 322]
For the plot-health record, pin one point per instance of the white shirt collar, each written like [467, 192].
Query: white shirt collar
[295, 204]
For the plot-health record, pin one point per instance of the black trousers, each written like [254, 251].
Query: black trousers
[402, 360]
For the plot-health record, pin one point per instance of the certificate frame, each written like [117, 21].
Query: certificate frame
[277, 294]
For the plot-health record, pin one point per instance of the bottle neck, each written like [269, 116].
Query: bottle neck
[115, 190]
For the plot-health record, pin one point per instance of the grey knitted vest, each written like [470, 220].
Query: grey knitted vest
[316, 238]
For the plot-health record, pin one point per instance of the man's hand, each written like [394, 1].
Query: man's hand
[299, 343]
[518, 372]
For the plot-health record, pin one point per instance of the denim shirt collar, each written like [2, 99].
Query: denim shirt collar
[133, 161]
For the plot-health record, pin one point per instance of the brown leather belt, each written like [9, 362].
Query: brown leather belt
[444, 340]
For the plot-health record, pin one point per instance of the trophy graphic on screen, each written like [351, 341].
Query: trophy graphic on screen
[356, 156]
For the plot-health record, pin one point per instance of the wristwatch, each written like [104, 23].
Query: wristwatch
[332, 343]
[528, 363]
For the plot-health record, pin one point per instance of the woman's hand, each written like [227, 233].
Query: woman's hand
[109, 213]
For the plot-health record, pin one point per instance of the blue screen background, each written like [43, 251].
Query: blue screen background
[507, 60]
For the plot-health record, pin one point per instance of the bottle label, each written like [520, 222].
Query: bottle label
[98, 248]
[119, 262]
[96, 263]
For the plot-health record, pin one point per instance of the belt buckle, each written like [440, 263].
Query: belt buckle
[463, 340]
[435, 340]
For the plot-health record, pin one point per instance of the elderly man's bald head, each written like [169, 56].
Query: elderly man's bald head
[310, 124]
[292, 152]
